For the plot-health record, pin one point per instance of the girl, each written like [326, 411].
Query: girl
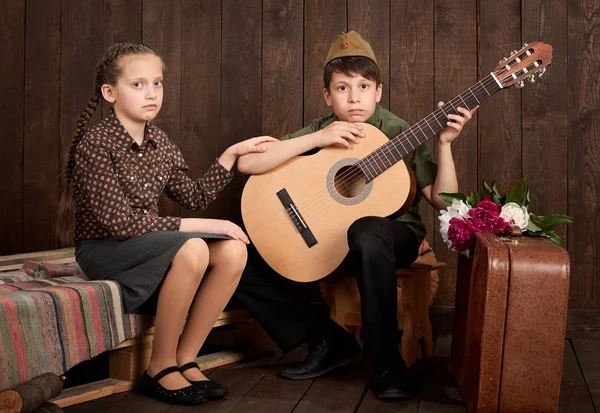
[172, 267]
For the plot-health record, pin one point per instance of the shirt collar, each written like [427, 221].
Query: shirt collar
[149, 132]
[375, 118]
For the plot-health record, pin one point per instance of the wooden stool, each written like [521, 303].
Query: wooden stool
[417, 285]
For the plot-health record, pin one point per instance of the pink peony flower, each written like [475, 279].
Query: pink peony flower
[487, 204]
[460, 233]
[486, 221]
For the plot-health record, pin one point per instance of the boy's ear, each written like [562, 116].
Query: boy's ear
[379, 93]
[108, 93]
[327, 97]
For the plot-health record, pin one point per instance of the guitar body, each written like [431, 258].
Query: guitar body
[319, 187]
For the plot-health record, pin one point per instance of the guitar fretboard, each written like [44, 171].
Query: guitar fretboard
[396, 149]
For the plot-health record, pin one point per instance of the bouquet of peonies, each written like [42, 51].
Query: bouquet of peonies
[494, 212]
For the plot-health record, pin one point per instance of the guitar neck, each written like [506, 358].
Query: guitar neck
[396, 149]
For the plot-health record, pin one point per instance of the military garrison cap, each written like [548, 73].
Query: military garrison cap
[349, 44]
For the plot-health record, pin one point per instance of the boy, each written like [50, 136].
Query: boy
[377, 245]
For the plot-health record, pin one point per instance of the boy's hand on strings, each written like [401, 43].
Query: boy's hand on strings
[251, 145]
[339, 133]
[214, 226]
[455, 124]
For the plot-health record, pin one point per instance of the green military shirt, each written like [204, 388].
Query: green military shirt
[421, 159]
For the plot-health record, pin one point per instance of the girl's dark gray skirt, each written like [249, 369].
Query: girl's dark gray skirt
[139, 264]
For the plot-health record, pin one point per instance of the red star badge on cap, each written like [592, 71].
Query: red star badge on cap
[345, 45]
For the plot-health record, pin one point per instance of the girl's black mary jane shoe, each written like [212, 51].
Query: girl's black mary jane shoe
[186, 396]
[213, 390]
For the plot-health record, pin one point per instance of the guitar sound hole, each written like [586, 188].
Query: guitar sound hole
[349, 181]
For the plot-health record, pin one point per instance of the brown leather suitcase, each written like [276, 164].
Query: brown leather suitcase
[509, 324]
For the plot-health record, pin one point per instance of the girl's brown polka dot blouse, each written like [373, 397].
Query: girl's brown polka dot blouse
[117, 183]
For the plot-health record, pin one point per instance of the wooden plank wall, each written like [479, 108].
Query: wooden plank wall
[241, 68]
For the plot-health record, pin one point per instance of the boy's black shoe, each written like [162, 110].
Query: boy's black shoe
[186, 396]
[324, 355]
[396, 382]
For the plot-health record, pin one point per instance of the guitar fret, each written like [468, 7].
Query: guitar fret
[463, 101]
[438, 121]
[474, 96]
[418, 140]
[397, 155]
[396, 148]
[486, 91]
[415, 135]
[384, 154]
[403, 147]
[430, 127]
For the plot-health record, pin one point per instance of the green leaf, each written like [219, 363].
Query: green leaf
[551, 235]
[495, 190]
[550, 222]
[474, 198]
[531, 226]
[487, 188]
[449, 197]
[520, 192]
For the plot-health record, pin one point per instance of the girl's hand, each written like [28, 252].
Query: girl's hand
[214, 226]
[251, 145]
[339, 133]
[455, 124]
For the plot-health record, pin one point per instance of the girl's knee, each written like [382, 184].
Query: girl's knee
[193, 255]
[233, 255]
[237, 253]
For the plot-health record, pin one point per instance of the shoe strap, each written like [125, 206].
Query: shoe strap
[164, 372]
[190, 365]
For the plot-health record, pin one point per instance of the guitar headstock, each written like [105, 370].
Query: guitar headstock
[523, 64]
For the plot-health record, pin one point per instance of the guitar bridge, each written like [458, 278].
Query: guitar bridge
[296, 218]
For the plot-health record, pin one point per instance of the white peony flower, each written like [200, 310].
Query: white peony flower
[515, 214]
[458, 209]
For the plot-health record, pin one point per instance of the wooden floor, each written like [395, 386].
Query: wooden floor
[255, 387]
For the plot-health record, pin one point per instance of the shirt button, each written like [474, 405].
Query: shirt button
[140, 154]
[133, 178]
[145, 185]
[145, 211]
[160, 178]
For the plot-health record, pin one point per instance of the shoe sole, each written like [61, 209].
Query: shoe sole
[320, 373]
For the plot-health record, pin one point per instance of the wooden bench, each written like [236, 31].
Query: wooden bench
[130, 358]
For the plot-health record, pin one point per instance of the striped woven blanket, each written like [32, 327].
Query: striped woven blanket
[52, 318]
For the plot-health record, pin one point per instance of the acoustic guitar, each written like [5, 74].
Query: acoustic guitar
[297, 215]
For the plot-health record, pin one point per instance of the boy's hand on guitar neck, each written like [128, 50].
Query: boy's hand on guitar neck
[455, 124]
[339, 133]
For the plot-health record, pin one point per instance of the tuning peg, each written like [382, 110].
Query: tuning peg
[541, 72]
[514, 52]
[531, 78]
[525, 44]
[504, 59]
[520, 84]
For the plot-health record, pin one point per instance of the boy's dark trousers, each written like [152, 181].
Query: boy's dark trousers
[292, 313]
